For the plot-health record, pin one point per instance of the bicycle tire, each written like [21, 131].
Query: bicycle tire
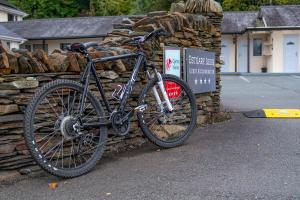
[146, 130]
[32, 143]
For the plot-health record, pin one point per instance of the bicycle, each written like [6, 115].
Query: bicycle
[66, 125]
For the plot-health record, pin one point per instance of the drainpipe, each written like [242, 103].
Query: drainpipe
[235, 52]
[248, 51]
[44, 45]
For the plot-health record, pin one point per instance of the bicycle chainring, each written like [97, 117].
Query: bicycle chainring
[121, 128]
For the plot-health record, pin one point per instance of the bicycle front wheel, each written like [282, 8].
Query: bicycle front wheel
[162, 127]
[54, 133]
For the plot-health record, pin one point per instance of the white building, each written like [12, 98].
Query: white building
[58, 33]
[9, 12]
[50, 34]
[267, 40]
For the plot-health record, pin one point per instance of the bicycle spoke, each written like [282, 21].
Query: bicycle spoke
[52, 107]
[62, 101]
[60, 144]
[167, 126]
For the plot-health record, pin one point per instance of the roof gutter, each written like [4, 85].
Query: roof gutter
[234, 33]
[14, 39]
[13, 11]
[269, 28]
[61, 38]
[273, 28]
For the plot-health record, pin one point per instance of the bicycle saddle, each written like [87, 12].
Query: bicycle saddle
[82, 47]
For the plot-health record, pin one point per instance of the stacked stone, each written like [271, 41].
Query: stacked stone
[25, 62]
[195, 24]
[16, 92]
[214, 15]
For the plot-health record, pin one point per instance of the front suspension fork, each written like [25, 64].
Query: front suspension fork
[162, 88]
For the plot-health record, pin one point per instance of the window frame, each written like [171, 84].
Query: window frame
[63, 46]
[12, 17]
[257, 52]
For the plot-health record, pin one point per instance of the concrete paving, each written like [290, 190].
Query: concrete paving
[240, 159]
[246, 93]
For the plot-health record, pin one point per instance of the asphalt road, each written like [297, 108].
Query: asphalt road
[246, 93]
[236, 160]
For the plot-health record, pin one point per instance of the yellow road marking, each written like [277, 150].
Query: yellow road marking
[282, 113]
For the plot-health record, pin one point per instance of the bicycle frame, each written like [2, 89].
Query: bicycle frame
[90, 69]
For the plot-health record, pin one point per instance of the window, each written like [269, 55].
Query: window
[257, 47]
[12, 17]
[64, 46]
[40, 46]
[8, 44]
[26, 46]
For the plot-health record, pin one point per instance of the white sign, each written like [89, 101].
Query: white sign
[172, 61]
[172, 65]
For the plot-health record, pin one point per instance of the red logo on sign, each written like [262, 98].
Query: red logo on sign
[169, 62]
[173, 90]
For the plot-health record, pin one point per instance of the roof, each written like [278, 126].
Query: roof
[238, 22]
[285, 15]
[8, 4]
[6, 34]
[10, 8]
[63, 28]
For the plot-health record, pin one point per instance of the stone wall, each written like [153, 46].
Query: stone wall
[196, 23]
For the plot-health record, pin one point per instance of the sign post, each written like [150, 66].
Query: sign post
[172, 65]
[200, 70]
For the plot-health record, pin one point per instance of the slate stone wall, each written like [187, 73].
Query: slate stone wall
[196, 23]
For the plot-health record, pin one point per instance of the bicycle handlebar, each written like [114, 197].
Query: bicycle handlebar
[82, 47]
[142, 39]
[157, 32]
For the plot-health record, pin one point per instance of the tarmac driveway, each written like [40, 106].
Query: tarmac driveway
[246, 93]
[240, 159]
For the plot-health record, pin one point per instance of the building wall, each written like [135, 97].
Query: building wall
[55, 44]
[19, 18]
[233, 54]
[14, 45]
[272, 50]
[257, 62]
[277, 62]
[10, 44]
[231, 46]
[3, 16]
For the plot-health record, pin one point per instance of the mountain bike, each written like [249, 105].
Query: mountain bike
[66, 126]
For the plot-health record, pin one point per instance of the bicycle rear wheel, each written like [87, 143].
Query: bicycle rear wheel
[54, 133]
[162, 127]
